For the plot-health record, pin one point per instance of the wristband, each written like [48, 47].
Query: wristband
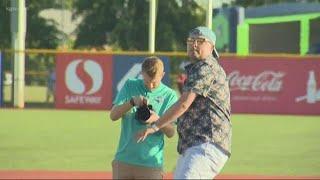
[132, 102]
[154, 127]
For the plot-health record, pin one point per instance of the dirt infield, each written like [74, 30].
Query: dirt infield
[34, 174]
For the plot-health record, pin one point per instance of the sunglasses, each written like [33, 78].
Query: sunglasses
[196, 40]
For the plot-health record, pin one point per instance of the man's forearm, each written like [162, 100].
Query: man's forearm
[168, 130]
[118, 111]
[177, 109]
[173, 113]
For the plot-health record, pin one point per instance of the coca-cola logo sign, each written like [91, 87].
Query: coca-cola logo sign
[266, 81]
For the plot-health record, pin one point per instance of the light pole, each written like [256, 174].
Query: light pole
[152, 24]
[18, 34]
[209, 14]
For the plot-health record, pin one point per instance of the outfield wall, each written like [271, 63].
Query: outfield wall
[259, 84]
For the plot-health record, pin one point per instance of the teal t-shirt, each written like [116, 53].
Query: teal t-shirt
[148, 153]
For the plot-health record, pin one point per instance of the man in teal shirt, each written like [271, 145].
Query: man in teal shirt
[142, 160]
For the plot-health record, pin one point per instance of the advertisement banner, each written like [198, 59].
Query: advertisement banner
[268, 85]
[83, 81]
[125, 67]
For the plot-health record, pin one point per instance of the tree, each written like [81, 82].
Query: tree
[40, 33]
[174, 21]
[99, 19]
[5, 25]
[124, 23]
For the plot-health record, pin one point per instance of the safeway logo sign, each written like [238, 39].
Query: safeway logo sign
[84, 81]
[91, 80]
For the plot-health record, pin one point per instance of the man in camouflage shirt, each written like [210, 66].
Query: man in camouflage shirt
[203, 112]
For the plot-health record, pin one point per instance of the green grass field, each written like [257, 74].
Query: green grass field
[87, 140]
[32, 94]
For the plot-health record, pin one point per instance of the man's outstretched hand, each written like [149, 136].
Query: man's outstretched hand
[142, 135]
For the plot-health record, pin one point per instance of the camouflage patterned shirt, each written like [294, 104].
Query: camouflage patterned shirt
[208, 117]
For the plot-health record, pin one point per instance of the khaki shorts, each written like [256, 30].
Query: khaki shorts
[122, 170]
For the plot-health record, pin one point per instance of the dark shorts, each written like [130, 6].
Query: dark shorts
[122, 170]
